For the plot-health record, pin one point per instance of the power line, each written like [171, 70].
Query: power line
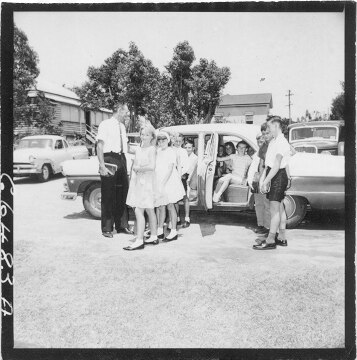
[289, 95]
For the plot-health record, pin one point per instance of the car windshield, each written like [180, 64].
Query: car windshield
[35, 143]
[313, 133]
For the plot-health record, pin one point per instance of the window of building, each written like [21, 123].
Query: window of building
[249, 118]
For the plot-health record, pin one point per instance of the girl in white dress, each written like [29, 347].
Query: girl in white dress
[142, 189]
[169, 186]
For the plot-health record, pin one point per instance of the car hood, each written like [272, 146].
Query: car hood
[22, 155]
[324, 165]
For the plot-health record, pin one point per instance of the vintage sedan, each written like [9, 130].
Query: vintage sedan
[42, 155]
[318, 137]
[317, 180]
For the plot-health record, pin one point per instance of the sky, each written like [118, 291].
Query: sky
[301, 52]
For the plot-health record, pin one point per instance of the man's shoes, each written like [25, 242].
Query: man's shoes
[107, 234]
[127, 231]
[281, 242]
[170, 239]
[178, 222]
[261, 230]
[264, 246]
[132, 248]
[186, 224]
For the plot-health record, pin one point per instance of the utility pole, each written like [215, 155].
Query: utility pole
[289, 95]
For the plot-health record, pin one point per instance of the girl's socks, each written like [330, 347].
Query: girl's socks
[160, 231]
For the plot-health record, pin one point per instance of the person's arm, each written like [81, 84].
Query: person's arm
[151, 165]
[103, 171]
[261, 166]
[124, 137]
[178, 162]
[192, 169]
[223, 158]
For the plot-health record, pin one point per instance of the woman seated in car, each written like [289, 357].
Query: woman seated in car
[229, 149]
[240, 164]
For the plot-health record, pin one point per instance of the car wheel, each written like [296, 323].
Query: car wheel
[92, 200]
[295, 208]
[45, 173]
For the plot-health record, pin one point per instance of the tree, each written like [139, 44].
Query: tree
[38, 113]
[125, 77]
[106, 85]
[207, 83]
[179, 70]
[338, 105]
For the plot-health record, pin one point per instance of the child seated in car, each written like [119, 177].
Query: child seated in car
[221, 165]
[240, 164]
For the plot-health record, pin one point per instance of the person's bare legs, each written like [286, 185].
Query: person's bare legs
[140, 226]
[177, 208]
[161, 214]
[224, 181]
[186, 203]
[173, 219]
[282, 225]
[274, 221]
[152, 222]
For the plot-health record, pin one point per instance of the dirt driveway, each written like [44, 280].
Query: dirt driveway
[74, 288]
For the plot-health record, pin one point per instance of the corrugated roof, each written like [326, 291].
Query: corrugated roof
[52, 88]
[247, 99]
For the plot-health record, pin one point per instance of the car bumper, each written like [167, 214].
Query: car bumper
[25, 170]
[69, 195]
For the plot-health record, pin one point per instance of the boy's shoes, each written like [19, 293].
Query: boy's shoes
[281, 242]
[107, 234]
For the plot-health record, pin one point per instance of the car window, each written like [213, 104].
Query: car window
[59, 144]
[65, 144]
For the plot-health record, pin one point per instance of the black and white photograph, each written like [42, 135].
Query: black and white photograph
[178, 178]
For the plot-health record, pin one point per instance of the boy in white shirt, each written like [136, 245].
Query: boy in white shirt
[274, 183]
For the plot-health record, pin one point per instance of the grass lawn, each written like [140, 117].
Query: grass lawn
[73, 288]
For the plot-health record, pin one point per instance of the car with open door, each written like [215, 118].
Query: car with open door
[317, 180]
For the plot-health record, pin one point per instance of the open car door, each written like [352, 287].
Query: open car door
[206, 171]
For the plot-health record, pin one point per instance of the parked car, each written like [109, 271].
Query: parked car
[42, 155]
[318, 137]
[317, 180]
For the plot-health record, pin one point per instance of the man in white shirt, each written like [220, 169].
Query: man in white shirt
[111, 149]
[274, 182]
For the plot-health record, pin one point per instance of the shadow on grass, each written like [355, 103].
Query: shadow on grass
[80, 215]
[314, 220]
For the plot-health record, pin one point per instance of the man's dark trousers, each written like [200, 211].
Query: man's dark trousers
[114, 192]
